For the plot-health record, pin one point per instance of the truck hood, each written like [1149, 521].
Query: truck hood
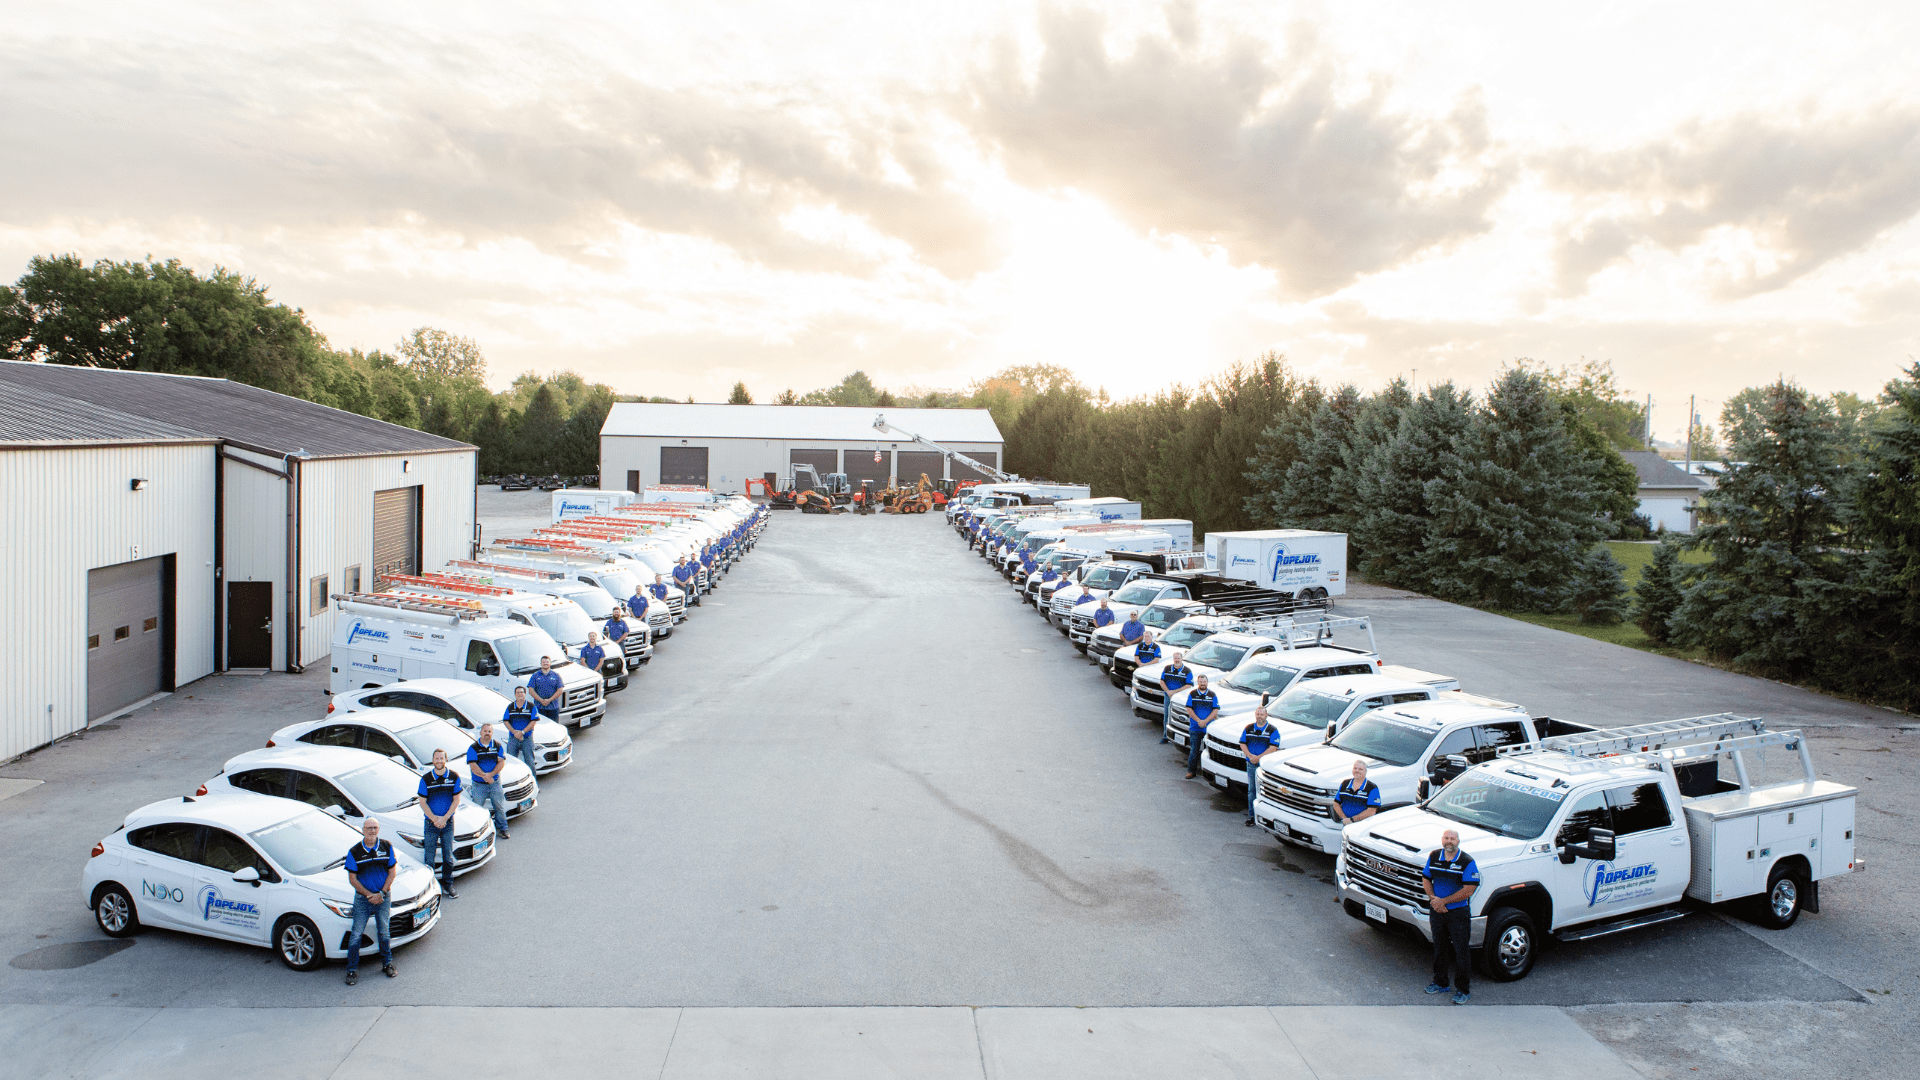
[1235, 701]
[1412, 827]
[1326, 766]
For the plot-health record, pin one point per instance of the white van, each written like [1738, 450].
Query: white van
[385, 639]
[592, 598]
[618, 577]
[588, 502]
[657, 557]
[563, 620]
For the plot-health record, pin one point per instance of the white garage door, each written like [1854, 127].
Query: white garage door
[1671, 513]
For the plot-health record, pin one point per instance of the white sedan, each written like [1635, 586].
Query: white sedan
[354, 785]
[410, 738]
[245, 868]
[465, 705]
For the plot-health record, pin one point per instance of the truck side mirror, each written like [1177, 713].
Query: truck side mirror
[1423, 789]
[1599, 845]
[1333, 728]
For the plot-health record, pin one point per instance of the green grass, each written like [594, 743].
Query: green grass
[1635, 557]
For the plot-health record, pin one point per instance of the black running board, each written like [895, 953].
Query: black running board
[1632, 922]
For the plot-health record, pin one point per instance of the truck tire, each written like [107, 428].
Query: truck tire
[1511, 945]
[1779, 907]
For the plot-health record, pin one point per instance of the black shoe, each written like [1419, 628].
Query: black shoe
[447, 893]
[1248, 823]
[352, 976]
[505, 835]
[387, 970]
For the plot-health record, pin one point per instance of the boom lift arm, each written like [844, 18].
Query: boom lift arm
[880, 424]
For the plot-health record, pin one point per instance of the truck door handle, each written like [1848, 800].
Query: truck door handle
[1676, 841]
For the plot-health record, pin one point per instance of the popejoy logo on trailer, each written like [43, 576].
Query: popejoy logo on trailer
[1284, 562]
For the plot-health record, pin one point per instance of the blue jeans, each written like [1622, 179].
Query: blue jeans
[1253, 790]
[439, 843]
[1166, 714]
[1195, 736]
[490, 797]
[380, 915]
[521, 746]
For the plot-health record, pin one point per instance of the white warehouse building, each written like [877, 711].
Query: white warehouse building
[724, 446]
[161, 528]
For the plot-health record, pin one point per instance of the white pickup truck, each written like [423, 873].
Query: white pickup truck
[1301, 673]
[1402, 745]
[1594, 833]
[1222, 652]
[1125, 558]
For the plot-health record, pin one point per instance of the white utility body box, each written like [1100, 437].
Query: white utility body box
[1737, 836]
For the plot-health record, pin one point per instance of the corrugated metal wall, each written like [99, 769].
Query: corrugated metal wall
[65, 512]
[732, 461]
[256, 540]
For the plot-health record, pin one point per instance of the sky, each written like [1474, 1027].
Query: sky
[669, 197]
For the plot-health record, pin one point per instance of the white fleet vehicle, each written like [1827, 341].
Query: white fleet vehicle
[1109, 507]
[653, 558]
[1345, 685]
[466, 707]
[381, 639]
[410, 738]
[616, 577]
[1232, 642]
[563, 620]
[637, 645]
[587, 502]
[1591, 834]
[354, 785]
[1272, 676]
[1403, 745]
[1106, 575]
[1169, 575]
[1299, 562]
[246, 868]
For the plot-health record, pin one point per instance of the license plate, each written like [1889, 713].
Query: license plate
[483, 845]
[525, 803]
[1376, 913]
[1221, 780]
[1106, 661]
[587, 721]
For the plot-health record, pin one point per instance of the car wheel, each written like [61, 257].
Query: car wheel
[113, 909]
[1779, 907]
[298, 943]
[1511, 945]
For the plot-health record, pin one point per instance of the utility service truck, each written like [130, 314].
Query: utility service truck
[1592, 833]
[636, 647]
[571, 503]
[563, 620]
[617, 577]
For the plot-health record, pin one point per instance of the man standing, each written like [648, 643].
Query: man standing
[1357, 799]
[637, 604]
[521, 718]
[439, 796]
[370, 865]
[1202, 706]
[546, 687]
[1147, 652]
[1103, 616]
[683, 576]
[1450, 878]
[592, 656]
[659, 589]
[1175, 676]
[1132, 631]
[616, 628]
[485, 759]
[1257, 741]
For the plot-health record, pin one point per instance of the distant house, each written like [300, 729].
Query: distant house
[1668, 495]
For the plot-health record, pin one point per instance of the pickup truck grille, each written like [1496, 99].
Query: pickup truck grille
[1225, 756]
[1299, 798]
[1059, 605]
[631, 645]
[586, 695]
[1101, 646]
[1150, 692]
[1180, 720]
[677, 605]
[1384, 877]
[1080, 622]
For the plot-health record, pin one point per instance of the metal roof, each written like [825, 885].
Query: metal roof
[1657, 472]
[826, 423]
[130, 405]
[29, 416]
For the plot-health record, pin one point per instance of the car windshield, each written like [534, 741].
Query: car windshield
[381, 785]
[1219, 655]
[1137, 593]
[307, 843]
[618, 582]
[1106, 577]
[595, 602]
[1182, 636]
[1385, 739]
[522, 652]
[1308, 709]
[1263, 679]
[565, 623]
[1492, 802]
[424, 739]
[1159, 618]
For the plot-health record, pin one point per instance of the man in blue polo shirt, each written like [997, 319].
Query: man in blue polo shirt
[1133, 631]
[637, 604]
[683, 575]
[438, 797]
[370, 864]
[1357, 799]
[1450, 879]
[1257, 741]
[485, 759]
[1175, 676]
[592, 655]
[616, 628]
[521, 718]
[1085, 597]
[1202, 706]
[546, 688]
[659, 588]
[1104, 616]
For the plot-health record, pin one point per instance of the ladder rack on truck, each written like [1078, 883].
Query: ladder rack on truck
[505, 570]
[552, 546]
[1296, 634]
[452, 582]
[1675, 744]
[459, 609]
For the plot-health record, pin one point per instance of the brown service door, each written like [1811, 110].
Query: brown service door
[249, 624]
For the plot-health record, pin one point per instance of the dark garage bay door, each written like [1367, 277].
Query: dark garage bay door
[911, 463]
[683, 465]
[823, 461]
[861, 466]
[396, 533]
[126, 634]
[984, 457]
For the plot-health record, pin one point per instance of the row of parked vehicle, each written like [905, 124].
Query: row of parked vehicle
[256, 854]
[1578, 831]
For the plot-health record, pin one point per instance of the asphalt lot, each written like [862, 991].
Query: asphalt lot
[864, 775]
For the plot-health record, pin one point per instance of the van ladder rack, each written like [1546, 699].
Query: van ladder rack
[505, 570]
[464, 609]
[1648, 738]
[451, 582]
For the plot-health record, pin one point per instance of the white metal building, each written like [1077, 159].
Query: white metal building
[163, 527]
[723, 446]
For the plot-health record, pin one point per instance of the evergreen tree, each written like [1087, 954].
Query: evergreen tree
[739, 395]
[1393, 522]
[1771, 525]
[579, 445]
[1658, 594]
[537, 444]
[494, 436]
[1040, 439]
[1515, 512]
[1316, 492]
[787, 397]
[1599, 591]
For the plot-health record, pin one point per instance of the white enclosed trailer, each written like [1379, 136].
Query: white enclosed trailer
[1298, 562]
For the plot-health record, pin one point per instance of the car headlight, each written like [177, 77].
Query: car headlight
[342, 908]
[416, 841]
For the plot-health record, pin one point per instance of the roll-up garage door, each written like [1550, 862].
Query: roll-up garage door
[396, 533]
[909, 464]
[861, 466]
[125, 632]
[683, 465]
[984, 457]
[823, 461]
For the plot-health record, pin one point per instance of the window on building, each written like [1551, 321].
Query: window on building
[351, 579]
[320, 594]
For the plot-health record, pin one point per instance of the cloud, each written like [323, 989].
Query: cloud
[1765, 199]
[345, 138]
[1256, 153]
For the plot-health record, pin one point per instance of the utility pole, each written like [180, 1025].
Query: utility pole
[1693, 421]
[1649, 421]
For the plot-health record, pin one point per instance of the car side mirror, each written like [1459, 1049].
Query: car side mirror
[1423, 789]
[247, 875]
[336, 811]
[1333, 728]
[401, 758]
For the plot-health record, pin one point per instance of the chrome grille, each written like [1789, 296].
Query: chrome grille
[1302, 798]
[524, 789]
[1384, 876]
[466, 837]
[1226, 756]
[1150, 692]
[586, 695]
[632, 645]
[676, 604]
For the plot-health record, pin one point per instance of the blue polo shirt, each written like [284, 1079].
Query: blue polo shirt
[1049, 575]
[1085, 598]
[659, 590]
[1259, 737]
[518, 719]
[615, 627]
[372, 867]
[546, 684]
[1146, 652]
[439, 790]
[1132, 630]
[1176, 676]
[637, 603]
[1355, 800]
[1103, 617]
[1449, 875]
[592, 657]
[1203, 706]
[485, 758]
[681, 573]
